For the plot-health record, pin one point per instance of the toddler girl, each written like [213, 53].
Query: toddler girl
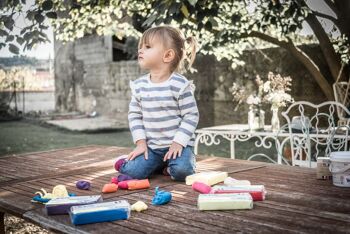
[163, 113]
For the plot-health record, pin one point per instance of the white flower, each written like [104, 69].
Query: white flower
[253, 100]
[266, 86]
[279, 98]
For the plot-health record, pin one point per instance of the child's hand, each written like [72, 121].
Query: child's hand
[141, 148]
[175, 150]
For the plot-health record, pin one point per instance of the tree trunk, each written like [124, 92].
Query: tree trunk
[329, 54]
[313, 69]
[302, 57]
[341, 8]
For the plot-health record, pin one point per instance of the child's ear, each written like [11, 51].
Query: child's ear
[169, 55]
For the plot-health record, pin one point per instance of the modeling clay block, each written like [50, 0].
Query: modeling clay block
[232, 181]
[83, 184]
[39, 199]
[109, 188]
[124, 184]
[209, 178]
[139, 206]
[138, 184]
[236, 201]
[114, 180]
[257, 192]
[201, 187]
[122, 177]
[62, 205]
[100, 212]
[59, 191]
[161, 197]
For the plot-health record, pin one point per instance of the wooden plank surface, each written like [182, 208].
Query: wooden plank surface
[296, 202]
[17, 168]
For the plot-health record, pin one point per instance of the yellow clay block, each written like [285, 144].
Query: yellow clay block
[209, 178]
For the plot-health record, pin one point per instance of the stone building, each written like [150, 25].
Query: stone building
[93, 73]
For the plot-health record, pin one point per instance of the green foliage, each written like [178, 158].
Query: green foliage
[34, 31]
[287, 17]
[341, 46]
[222, 28]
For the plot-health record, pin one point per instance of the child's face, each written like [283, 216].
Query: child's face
[151, 55]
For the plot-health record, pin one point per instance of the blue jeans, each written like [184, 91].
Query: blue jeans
[179, 168]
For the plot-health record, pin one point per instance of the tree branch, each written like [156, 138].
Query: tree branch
[266, 37]
[302, 57]
[331, 5]
[325, 16]
[331, 57]
[342, 8]
[333, 60]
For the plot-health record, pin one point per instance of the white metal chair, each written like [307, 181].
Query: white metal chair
[339, 140]
[318, 133]
[342, 95]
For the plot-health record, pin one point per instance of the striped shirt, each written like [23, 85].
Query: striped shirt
[163, 112]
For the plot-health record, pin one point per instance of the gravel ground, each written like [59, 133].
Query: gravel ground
[14, 225]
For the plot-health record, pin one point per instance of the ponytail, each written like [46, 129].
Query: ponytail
[190, 51]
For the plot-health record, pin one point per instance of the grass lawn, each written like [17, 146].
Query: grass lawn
[21, 137]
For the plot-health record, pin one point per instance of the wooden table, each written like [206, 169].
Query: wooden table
[296, 201]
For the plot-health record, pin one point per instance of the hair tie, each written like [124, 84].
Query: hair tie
[189, 40]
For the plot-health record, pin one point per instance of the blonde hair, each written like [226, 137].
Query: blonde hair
[184, 48]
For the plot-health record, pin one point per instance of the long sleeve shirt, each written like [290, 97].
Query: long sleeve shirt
[163, 112]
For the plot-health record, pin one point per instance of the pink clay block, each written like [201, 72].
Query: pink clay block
[201, 187]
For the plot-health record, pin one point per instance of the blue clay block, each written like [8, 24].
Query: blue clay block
[161, 197]
[100, 212]
[98, 217]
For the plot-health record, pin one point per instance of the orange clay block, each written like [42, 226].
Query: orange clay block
[138, 184]
[110, 188]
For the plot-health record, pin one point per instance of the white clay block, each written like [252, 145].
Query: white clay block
[231, 181]
[209, 178]
[237, 201]
[242, 188]
[257, 192]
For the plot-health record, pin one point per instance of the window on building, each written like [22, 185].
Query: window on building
[125, 49]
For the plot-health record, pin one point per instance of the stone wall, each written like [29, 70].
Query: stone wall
[80, 68]
[88, 80]
[214, 79]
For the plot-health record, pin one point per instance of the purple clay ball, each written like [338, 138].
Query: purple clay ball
[83, 184]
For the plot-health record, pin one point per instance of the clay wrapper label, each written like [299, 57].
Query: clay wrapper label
[123, 204]
[234, 196]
